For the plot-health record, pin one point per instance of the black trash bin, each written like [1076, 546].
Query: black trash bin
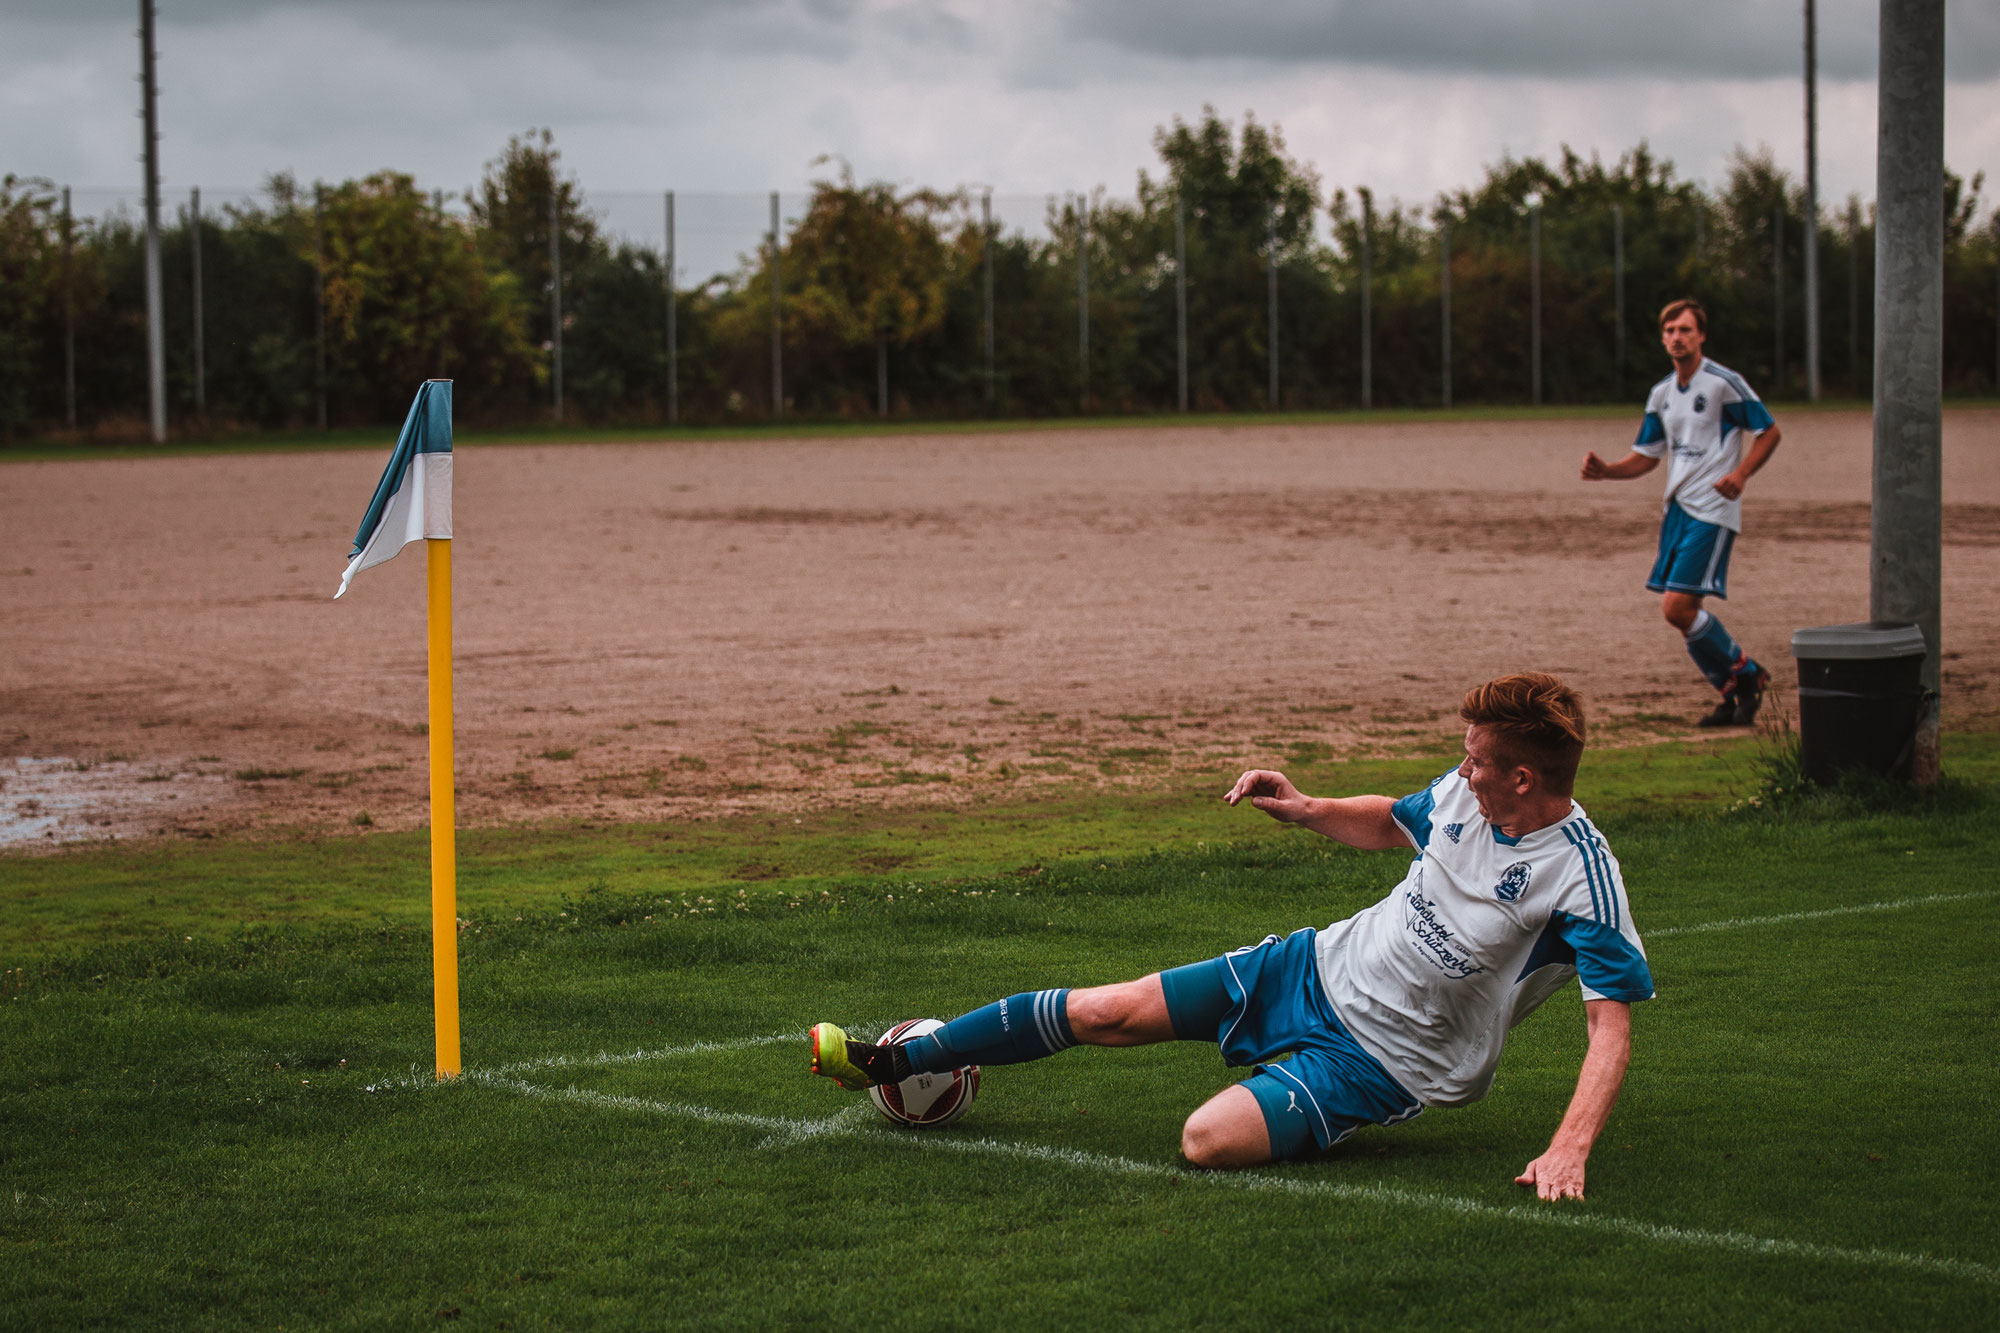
[1860, 697]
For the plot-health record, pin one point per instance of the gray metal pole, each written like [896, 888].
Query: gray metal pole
[1854, 297]
[1618, 298]
[555, 295]
[777, 315]
[69, 313]
[1083, 302]
[156, 328]
[1444, 298]
[1906, 558]
[1812, 203]
[319, 303]
[1535, 302]
[1180, 297]
[1367, 298]
[986, 263]
[200, 340]
[1271, 275]
[1778, 299]
[673, 325]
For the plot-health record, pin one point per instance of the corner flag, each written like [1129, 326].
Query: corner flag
[413, 499]
[412, 502]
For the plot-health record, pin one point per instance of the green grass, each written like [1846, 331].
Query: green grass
[236, 1128]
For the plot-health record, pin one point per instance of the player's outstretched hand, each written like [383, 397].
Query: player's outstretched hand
[1593, 467]
[1554, 1175]
[1273, 793]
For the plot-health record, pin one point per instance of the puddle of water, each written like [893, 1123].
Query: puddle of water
[52, 802]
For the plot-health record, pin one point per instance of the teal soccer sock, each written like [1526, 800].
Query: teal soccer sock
[1021, 1027]
[1718, 657]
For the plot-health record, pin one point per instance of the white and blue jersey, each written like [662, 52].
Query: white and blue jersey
[1481, 931]
[1701, 427]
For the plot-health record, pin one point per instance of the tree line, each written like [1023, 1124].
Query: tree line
[1209, 286]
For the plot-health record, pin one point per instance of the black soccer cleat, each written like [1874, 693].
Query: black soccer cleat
[1724, 715]
[1750, 695]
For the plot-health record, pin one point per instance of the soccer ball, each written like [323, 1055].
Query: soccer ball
[924, 1100]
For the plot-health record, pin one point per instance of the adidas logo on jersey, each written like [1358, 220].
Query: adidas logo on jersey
[1453, 830]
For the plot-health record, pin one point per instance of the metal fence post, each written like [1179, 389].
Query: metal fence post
[319, 302]
[986, 263]
[1271, 274]
[156, 323]
[1906, 565]
[777, 316]
[555, 294]
[1444, 301]
[1618, 298]
[200, 347]
[1180, 297]
[1535, 299]
[69, 313]
[1083, 301]
[673, 324]
[1367, 308]
[1778, 298]
[1812, 204]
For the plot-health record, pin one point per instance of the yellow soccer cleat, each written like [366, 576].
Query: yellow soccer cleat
[830, 1058]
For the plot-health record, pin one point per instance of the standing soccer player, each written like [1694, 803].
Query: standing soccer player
[1701, 415]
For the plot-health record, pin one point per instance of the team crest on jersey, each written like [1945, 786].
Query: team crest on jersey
[1513, 881]
[1701, 402]
[1453, 830]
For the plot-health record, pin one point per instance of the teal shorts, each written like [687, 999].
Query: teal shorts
[1264, 1003]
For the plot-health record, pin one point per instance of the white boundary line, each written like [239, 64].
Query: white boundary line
[1785, 918]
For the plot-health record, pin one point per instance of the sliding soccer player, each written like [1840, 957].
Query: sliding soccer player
[1717, 434]
[1404, 1005]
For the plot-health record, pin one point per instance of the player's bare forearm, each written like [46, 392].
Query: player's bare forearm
[1760, 453]
[1558, 1173]
[1359, 821]
[1632, 465]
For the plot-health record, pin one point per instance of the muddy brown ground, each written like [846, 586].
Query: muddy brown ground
[680, 630]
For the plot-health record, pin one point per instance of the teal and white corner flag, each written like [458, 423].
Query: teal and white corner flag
[413, 499]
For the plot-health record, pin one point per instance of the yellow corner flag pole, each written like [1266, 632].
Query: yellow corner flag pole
[444, 844]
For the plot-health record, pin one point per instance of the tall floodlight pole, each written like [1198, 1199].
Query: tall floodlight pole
[1180, 297]
[673, 324]
[200, 348]
[1083, 302]
[1778, 298]
[1535, 297]
[1618, 298]
[319, 303]
[986, 264]
[777, 317]
[1906, 555]
[69, 313]
[555, 295]
[1444, 301]
[1367, 307]
[156, 328]
[1271, 283]
[1812, 204]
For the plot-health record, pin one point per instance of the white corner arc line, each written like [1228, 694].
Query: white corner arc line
[1786, 918]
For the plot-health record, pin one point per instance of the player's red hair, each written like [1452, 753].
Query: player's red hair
[1537, 722]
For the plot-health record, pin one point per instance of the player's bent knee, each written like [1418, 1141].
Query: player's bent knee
[1228, 1131]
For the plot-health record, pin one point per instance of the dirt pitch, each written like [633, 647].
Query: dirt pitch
[684, 629]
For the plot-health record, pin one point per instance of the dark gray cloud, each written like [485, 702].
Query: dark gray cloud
[1697, 39]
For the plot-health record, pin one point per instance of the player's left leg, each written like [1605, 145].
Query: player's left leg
[1231, 1130]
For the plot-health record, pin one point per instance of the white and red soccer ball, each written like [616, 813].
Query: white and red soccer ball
[924, 1100]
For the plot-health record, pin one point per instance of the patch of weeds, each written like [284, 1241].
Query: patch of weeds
[558, 754]
[362, 819]
[1138, 754]
[158, 775]
[336, 781]
[254, 774]
[998, 702]
[694, 763]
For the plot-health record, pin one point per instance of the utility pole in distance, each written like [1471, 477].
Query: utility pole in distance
[1180, 296]
[986, 263]
[1535, 296]
[1906, 549]
[555, 293]
[156, 331]
[200, 350]
[1444, 298]
[1367, 310]
[69, 313]
[673, 326]
[1271, 273]
[777, 317]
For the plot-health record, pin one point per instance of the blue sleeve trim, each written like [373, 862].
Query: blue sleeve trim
[1413, 813]
[1748, 415]
[1651, 431]
[1606, 962]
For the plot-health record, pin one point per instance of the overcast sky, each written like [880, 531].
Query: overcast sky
[1025, 96]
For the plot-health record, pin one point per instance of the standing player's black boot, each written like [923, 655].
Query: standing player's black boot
[1724, 715]
[1750, 695]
